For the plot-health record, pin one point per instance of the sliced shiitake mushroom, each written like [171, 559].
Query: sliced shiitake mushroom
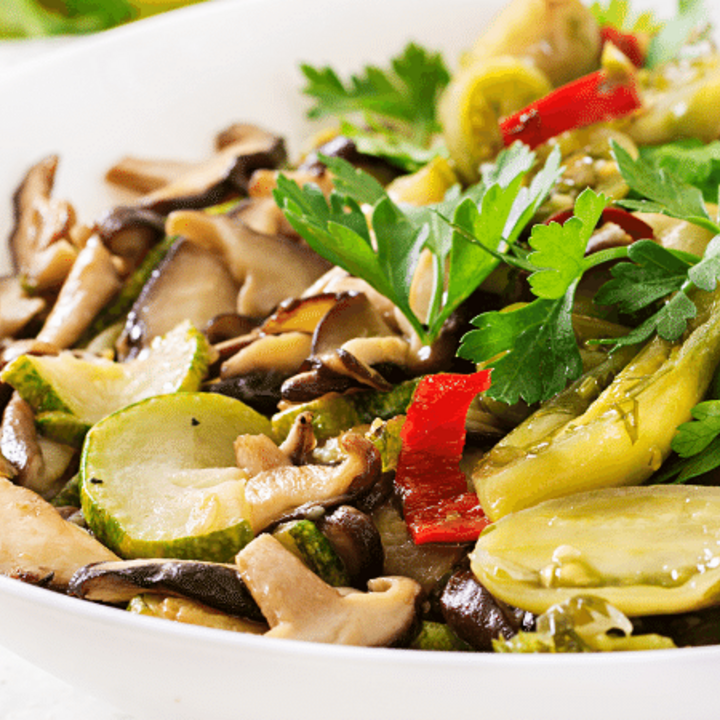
[476, 616]
[299, 605]
[343, 147]
[191, 283]
[270, 268]
[37, 544]
[91, 283]
[129, 232]
[17, 308]
[213, 584]
[357, 542]
[260, 389]
[225, 173]
[40, 245]
[143, 175]
[281, 494]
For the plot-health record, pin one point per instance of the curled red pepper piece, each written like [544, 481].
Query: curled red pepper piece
[636, 228]
[627, 43]
[437, 504]
[591, 99]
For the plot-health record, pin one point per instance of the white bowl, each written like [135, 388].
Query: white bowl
[162, 88]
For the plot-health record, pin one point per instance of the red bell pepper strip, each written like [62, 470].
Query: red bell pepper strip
[437, 504]
[591, 99]
[627, 43]
[636, 228]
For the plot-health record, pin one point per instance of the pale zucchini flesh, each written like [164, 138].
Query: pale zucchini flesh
[646, 550]
[159, 479]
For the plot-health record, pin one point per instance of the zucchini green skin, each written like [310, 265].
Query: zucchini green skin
[192, 430]
[23, 372]
[305, 540]
[438, 636]
[332, 414]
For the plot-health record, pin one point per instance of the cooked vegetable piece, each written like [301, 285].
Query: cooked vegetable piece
[594, 98]
[190, 283]
[304, 539]
[215, 585]
[116, 310]
[192, 612]
[299, 605]
[581, 624]
[92, 282]
[437, 504]
[646, 550]
[625, 434]
[560, 37]
[475, 101]
[437, 636]
[69, 394]
[158, 478]
[285, 491]
[334, 413]
[37, 544]
[477, 617]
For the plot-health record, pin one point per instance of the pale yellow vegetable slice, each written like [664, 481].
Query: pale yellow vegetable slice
[159, 479]
[621, 439]
[646, 550]
[561, 37]
[476, 99]
[69, 394]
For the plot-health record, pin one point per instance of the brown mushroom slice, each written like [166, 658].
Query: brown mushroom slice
[283, 354]
[263, 182]
[191, 283]
[214, 584]
[300, 442]
[271, 268]
[427, 564]
[263, 215]
[91, 283]
[228, 171]
[40, 240]
[143, 175]
[351, 316]
[357, 542]
[37, 544]
[19, 443]
[299, 605]
[293, 314]
[338, 281]
[272, 494]
[129, 232]
[302, 314]
[318, 381]
[476, 616]
[17, 308]
[258, 453]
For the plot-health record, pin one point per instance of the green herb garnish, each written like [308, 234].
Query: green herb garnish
[397, 105]
[532, 348]
[383, 244]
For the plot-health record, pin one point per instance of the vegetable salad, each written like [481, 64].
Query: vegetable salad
[446, 381]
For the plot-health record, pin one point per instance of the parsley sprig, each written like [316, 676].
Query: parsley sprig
[362, 230]
[397, 105]
[532, 348]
